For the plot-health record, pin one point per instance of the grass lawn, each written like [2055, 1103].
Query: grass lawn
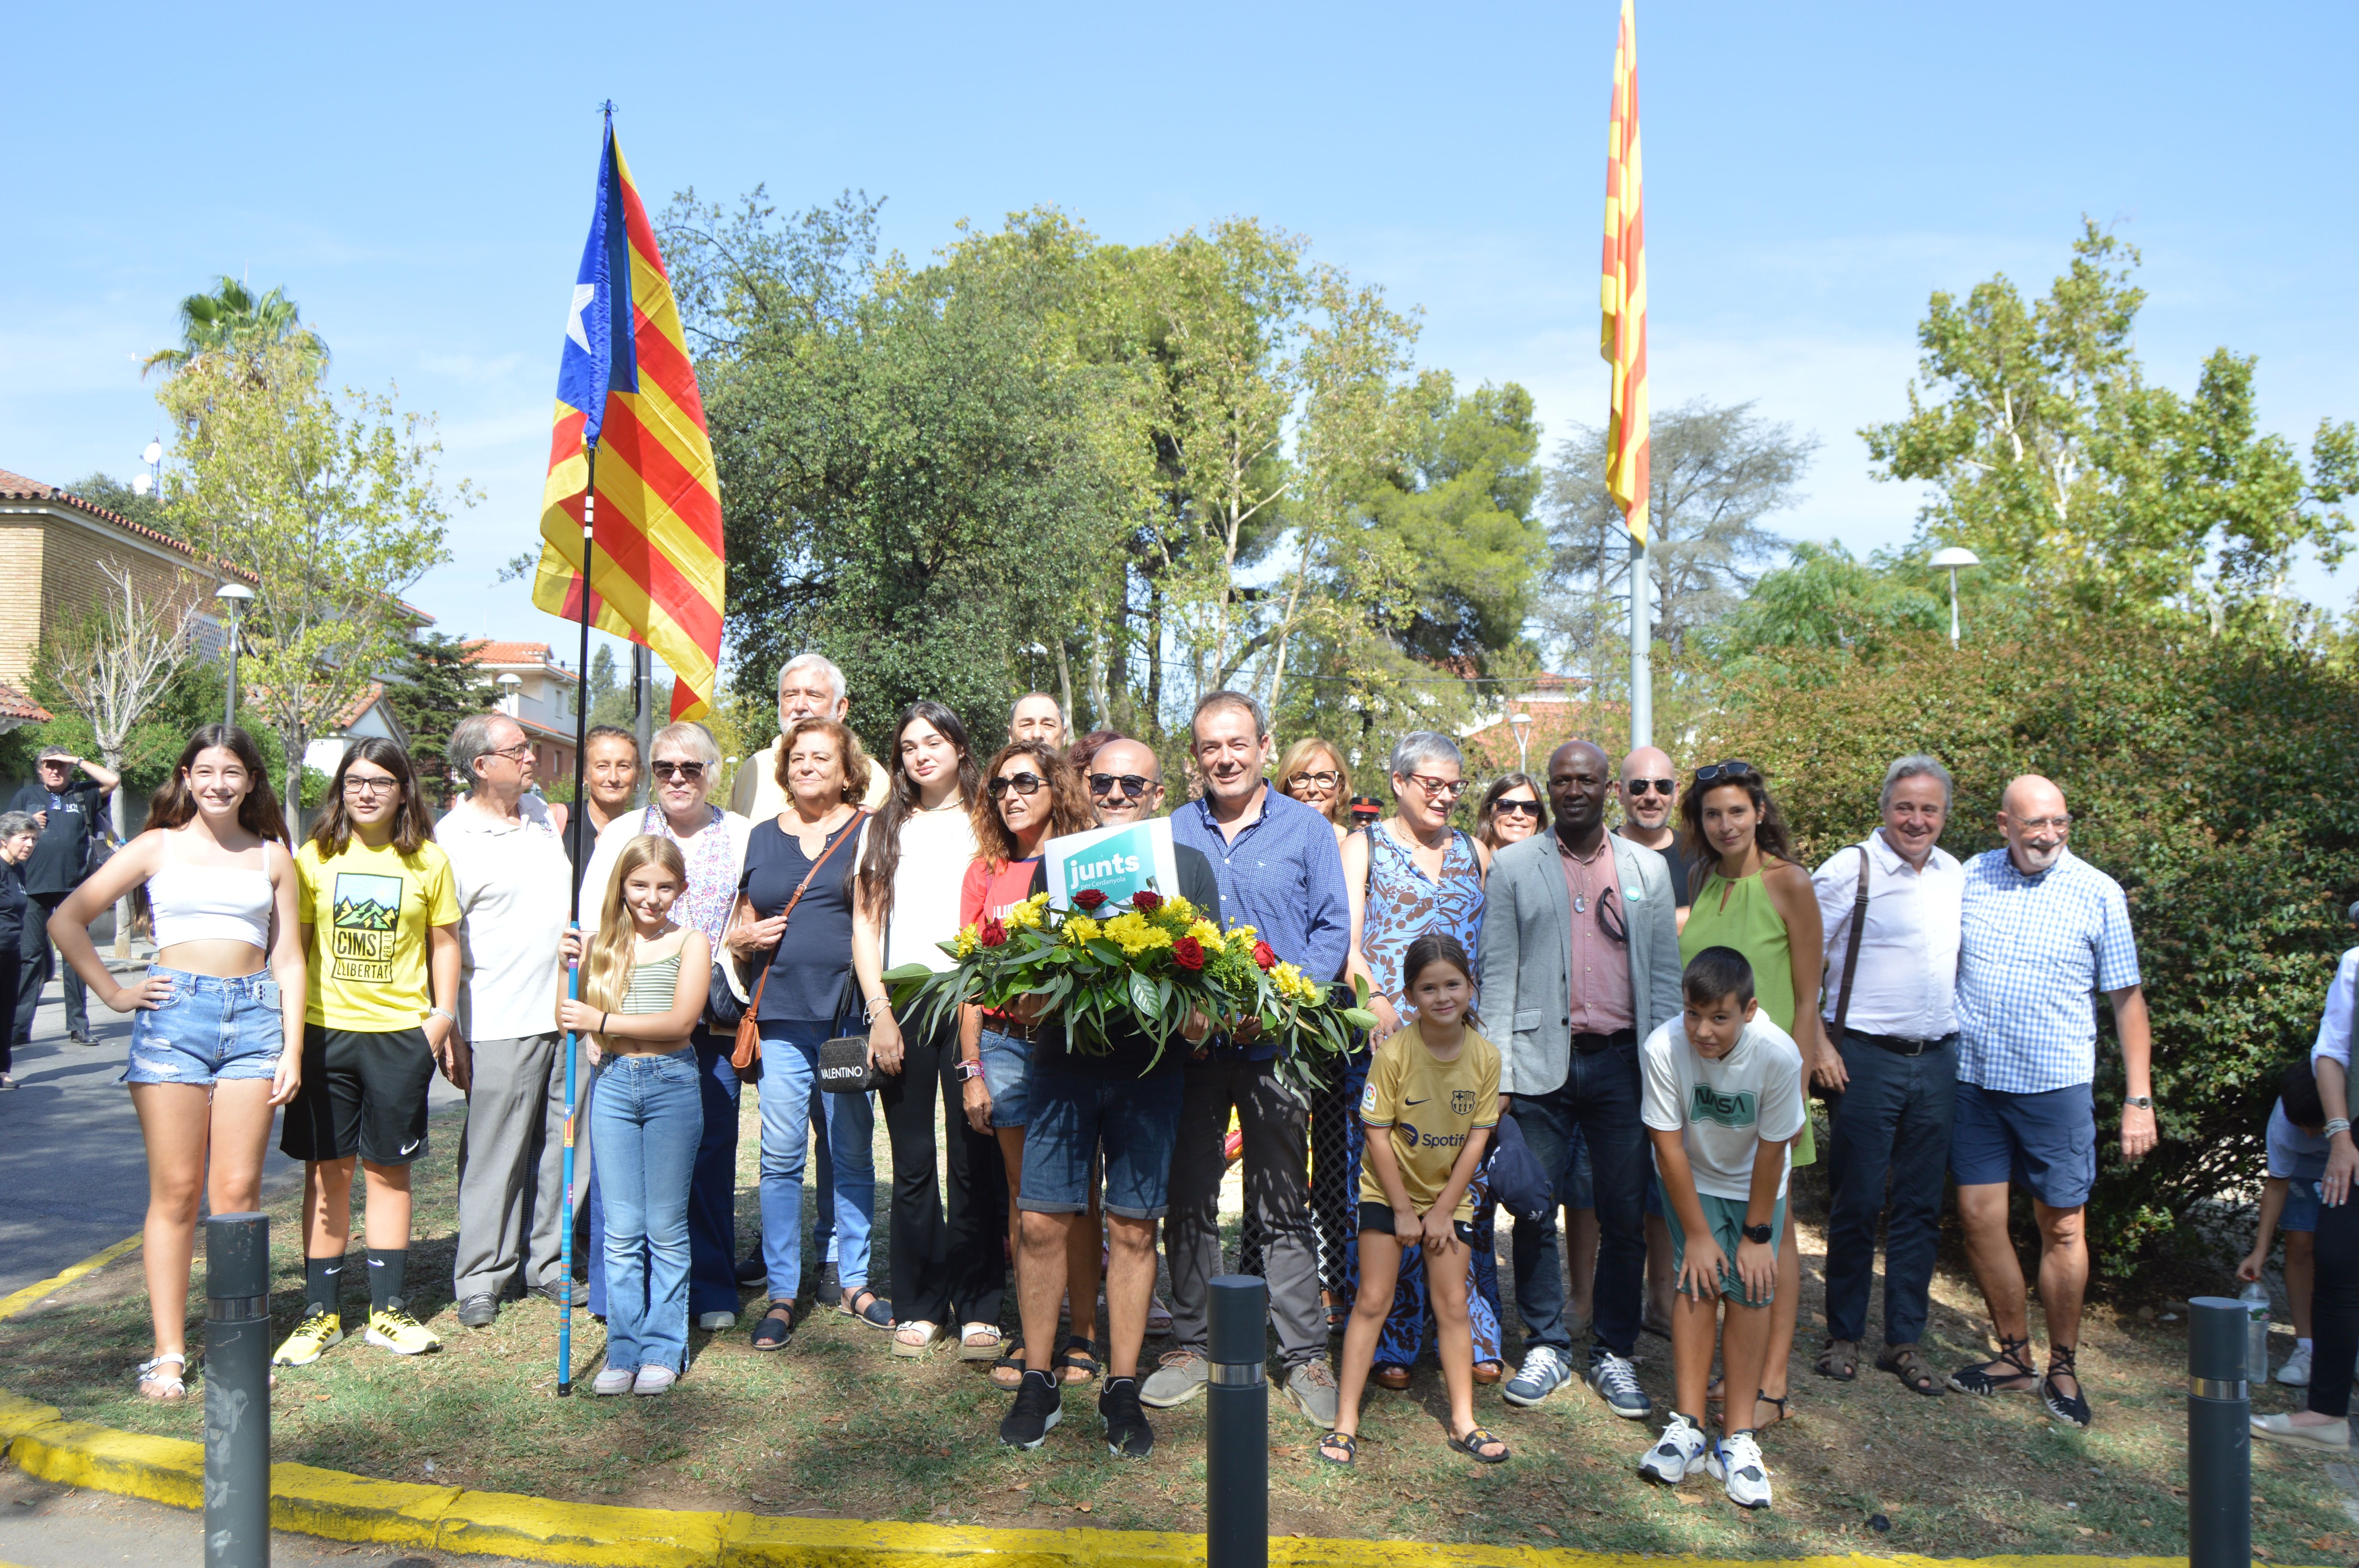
[836, 1427]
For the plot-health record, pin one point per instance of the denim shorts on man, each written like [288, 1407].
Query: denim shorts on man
[1007, 1067]
[2300, 1205]
[208, 1030]
[363, 1093]
[1137, 1120]
[2047, 1140]
[1726, 1218]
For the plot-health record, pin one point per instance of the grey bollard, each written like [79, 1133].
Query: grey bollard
[237, 1392]
[1236, 1427]
[2219, 1436]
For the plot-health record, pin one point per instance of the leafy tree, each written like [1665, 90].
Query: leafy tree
[1824, 599]
[2054, 458]
[234, 322]
[117, 497]
[432, 684]
[332, 511]
[1717, 471]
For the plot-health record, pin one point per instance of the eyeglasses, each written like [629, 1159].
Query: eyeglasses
[1660, 786]
[2044, 823]
[518, 752]
[1438, 789]
[1133, 786]
[371, 784]
[1732, 772]
[1324, 779]
[1022, 784]
[1516, 809]
[690, 772]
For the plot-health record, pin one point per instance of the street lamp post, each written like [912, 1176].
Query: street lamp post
[232, 597]
[1952, 558]
[1523, 723]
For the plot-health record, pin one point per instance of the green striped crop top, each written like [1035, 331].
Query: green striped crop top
[654, 987]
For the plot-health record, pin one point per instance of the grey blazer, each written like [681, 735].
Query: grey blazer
[1526, 956]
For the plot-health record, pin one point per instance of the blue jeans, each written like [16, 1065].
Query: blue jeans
[790, 1068]
[1598, 1099]
[649, 1120]
[712, 1195]
[1892, 1118]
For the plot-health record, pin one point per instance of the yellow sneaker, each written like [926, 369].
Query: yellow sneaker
[314, 1336]
[396, 1331]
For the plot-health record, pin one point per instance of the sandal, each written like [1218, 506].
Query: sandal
[777, 1327]
[1840, 1360]
[1908, 1363]
[1489, 1371]
[1985, 1376]
[1389, 1375]
[980, 1341]
[2073, 1406]
[1159, 1319]
[169, 1384]
[914, 1337]
[861, 1304]
[1762, 1398]
[1339, 1312]
[1008, 1371]
[1076, 1358]
[1474, 1441]
[1343, 1444]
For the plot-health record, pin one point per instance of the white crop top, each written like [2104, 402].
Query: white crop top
[206, 903]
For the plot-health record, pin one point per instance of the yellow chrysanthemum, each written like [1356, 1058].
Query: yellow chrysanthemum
[1180, 908]
[1244, 934]
[1080, 929]
[967, 942]
[1287, 981]
[1205, 931]
[1026, 916]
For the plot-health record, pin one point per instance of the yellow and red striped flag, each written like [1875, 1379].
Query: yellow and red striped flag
[1623, 335]
[626, 388]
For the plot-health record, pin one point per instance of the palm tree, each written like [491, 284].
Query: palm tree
[234, 320]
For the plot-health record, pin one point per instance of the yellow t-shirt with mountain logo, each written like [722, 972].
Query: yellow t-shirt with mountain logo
[367, 911]
[1427, 1108]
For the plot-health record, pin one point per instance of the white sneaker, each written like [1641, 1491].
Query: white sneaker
[613, 1381]
[653, 1379]
[1678, 1456]
[2295, 1373]
[714, 1322]
[1737, 1461]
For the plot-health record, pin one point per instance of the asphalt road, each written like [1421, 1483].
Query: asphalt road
[72, 1167]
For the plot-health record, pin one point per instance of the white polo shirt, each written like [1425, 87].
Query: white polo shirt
[515, 886]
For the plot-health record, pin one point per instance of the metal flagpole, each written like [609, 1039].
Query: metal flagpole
[574, 969]
[1642, 669]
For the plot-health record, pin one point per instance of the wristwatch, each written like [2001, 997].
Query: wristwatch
[1760, 1233]
[2143, 1102]
[970, 1069]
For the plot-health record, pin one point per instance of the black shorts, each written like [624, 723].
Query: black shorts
[363, 1094]
[1378, 1217]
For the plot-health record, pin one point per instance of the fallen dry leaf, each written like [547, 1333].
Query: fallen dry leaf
[1547, 1532]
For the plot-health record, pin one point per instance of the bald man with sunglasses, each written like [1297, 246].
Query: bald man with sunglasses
[1648, 793]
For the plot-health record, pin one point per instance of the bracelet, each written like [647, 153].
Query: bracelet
[970, 1069]
[2335, 1124]
[443, 1013]
[602, 1024]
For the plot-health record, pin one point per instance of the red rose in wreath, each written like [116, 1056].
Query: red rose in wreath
[1265, 956]
[1088, 898]
[1147, 899]
[993, 934]
[1188, 953]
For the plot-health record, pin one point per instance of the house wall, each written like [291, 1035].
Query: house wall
[53, 558]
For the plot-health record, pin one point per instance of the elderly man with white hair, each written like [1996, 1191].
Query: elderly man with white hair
[809, 687]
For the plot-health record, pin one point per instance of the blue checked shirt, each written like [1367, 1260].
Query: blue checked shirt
[2033, 954]
[1282, 875]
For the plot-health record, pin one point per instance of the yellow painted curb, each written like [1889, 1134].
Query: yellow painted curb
[76, 1453]
[500, 1524]
[18, 1413]
[10, 1305]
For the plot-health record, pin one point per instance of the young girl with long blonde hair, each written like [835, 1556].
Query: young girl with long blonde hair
[642, 991]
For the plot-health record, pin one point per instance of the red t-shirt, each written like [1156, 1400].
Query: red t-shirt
[989, 895]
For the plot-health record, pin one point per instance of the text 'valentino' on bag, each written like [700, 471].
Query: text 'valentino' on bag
[844, 1065]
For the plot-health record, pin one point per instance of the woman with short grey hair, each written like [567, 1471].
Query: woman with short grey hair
[19, 831]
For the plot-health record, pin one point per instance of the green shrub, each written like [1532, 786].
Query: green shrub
[2219, 781]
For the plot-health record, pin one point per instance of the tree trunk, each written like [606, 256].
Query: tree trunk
[297, 742]
[1154, 657]
[1065, 689]
[113, 757]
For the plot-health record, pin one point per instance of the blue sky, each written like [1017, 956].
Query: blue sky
[420, 185]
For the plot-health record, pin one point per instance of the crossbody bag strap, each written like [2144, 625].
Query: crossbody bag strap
[845, 834]
[1851, 950]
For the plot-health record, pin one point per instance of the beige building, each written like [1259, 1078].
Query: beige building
[542, 701]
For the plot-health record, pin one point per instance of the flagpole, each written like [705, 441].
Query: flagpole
[574, 969]
[1642, 666]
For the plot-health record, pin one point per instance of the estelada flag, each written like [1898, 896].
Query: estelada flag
[1622, 337]
[626, 392]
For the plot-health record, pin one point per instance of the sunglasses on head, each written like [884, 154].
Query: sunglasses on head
[1660, 786]
[1731, 772]
[689, 770]
[1022, 784]
[1516, 808]
[1133, 786]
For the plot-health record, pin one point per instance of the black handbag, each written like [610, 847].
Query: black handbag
[844, 1065]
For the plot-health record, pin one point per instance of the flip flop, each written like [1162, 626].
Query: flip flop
[1474, 1439]
[1350, 1445]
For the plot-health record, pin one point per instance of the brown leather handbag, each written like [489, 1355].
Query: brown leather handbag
[748, 1048]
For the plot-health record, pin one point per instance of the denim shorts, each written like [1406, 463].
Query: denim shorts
[2046, 1141]
[1007, 1069]
[208, 1030]
[1136, 1120]
[2300, 1205]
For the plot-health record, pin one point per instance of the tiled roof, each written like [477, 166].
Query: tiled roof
[485, 651]
[16, 487]
[369, 698]
[14, 704]
[535, 726]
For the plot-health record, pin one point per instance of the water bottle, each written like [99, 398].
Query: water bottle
[2256, 1297]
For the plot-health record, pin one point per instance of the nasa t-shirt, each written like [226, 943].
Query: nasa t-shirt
[1426, 1109]
[1727, 1106]
[367, 911]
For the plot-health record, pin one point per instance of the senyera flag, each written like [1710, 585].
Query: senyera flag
[1622, 337]
[628, 412]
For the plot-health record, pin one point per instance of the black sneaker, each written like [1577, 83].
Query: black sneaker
[1038, 1408]
[752, 1270]
[1127, 1435]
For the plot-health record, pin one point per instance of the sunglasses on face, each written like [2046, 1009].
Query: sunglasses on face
[1022, 784]
[1660, 786]
[1133, 786]
[690, 772]
[1516, 808]
[1731, 772]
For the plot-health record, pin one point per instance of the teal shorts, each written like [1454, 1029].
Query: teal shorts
[1726, 1218]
